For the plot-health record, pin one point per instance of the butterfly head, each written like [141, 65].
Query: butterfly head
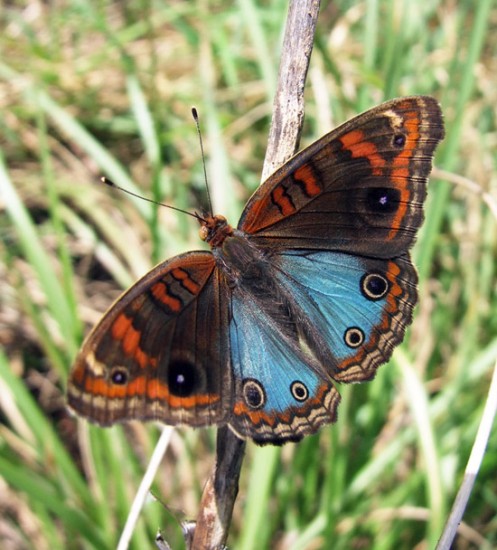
[214, 230]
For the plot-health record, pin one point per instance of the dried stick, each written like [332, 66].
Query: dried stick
[288, 106]
[220, 492]
[472, 468]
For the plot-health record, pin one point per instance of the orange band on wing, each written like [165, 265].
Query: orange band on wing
[260, 417]
[358, 146]
[148, 388]
[282, 201]
[186, 281]
[160, 292]
[124, 332]
[307, 177]
[120, 326]
[400, 172]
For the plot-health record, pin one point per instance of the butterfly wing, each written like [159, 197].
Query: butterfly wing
[281, 392]
[157, 353]
[337, 222]
[354, 309]
[359, 189]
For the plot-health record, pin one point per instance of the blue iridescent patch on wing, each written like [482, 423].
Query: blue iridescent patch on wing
[329, 288]
[261, 352]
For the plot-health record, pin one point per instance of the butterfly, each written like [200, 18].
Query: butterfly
[314, 287]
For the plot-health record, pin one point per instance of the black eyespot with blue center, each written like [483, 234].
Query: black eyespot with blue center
[399, 140]
[383, 200]
[374, 286]
[181, 378]
[253, 393]
[119, 376]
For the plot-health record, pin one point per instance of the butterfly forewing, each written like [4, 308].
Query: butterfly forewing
[158, 352]
[360, 189]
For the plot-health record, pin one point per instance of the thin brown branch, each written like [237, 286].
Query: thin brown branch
[216, 507]
[220, 491]
[288, 106]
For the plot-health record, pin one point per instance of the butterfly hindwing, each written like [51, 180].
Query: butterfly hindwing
[354, 310]
[281, 393]
[320, 316]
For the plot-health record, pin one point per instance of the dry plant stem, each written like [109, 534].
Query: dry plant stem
[472, 468]
[288, 106]
[220, 492]
[144, 489]
[218, 499]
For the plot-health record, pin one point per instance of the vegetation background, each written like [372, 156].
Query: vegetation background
[105, 88]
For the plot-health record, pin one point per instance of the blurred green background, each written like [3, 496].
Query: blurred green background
[105, 88]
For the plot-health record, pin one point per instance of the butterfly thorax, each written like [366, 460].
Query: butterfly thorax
[235, 255]
[214, 230]
[242, 262]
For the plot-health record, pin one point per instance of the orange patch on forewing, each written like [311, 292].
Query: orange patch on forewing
[306, 175]
[282, 201]
[359, 147]
[352, 139]
[123, 331]
[187, 282]
[120, 326]
[400, 172]
[138, 386]
[159, 292]
[98, 386]
[131, 340]
[153, 389]
[143, 359]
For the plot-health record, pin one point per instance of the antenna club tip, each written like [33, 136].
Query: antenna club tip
[107, 181]
[195, 113]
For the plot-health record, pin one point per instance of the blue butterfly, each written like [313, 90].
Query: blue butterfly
[314, 286]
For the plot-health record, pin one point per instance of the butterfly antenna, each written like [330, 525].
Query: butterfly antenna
[197, 124]
[110, 183]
